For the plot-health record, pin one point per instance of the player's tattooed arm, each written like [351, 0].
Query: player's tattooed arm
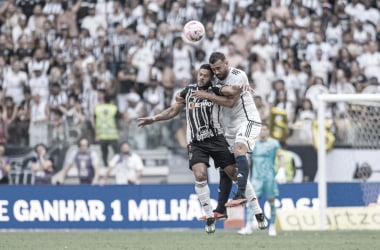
[167, 114]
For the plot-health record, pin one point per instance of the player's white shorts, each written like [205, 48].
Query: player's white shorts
[246, 132]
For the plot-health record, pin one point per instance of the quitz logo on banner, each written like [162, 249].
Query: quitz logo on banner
[136, 207]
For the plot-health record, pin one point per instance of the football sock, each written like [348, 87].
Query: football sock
[203, 191]
[243, 172]
[273, 213]
[252, 198]
[225, 185]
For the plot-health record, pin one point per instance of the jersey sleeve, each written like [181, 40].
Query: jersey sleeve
[184, 92]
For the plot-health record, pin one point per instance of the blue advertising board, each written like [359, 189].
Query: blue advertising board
[136, 207]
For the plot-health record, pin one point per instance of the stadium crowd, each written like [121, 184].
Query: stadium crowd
[57, 57]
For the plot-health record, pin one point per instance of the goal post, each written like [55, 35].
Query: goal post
[323, 100]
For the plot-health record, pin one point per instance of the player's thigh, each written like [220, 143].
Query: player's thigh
[271, 188]
[220, 152]
[246, 134]
[197, 154]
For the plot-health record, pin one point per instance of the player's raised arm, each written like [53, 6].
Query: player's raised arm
[167, 114]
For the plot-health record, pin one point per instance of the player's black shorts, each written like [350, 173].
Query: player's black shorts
[214, 147]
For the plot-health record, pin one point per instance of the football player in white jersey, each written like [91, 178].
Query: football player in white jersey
[241, 121]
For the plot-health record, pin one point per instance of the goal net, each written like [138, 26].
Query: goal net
[356, 153]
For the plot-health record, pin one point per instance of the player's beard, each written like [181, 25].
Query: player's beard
[222, 76]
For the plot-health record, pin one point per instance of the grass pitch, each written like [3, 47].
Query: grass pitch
[186, 239]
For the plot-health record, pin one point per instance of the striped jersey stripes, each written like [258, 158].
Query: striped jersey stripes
[203, 116]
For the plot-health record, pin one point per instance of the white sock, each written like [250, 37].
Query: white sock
[252, 199]
[203, 191]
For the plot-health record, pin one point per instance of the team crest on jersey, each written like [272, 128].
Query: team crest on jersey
[191, 105]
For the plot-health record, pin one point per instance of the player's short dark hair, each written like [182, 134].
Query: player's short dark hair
[207, 67]
[215, 56]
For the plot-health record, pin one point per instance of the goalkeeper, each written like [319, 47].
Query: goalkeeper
[263, 177]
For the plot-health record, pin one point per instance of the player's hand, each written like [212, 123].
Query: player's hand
[141, 122]
[201, 94]
[246, 87]
[179, 99]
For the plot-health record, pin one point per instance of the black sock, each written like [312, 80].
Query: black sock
[243, 172]
[225, 185]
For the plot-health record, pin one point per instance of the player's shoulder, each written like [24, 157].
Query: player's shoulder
[236, 73]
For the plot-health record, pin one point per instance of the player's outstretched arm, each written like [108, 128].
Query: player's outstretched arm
[167, 114]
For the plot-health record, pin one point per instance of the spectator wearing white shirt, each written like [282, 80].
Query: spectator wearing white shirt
[369, 62]
[38, 126]
[318, 44]
[14, 83]
[39, 82]
[341, 86]
[303, 18]
[21, 29]
[127, 167]
[315, 90]
[211, 42]
[321, 67]
[262, 77]
[334, 34]
[359, 34]
[373, 86]
[265, 51]
[142, 59]
[92, 22]
[354, 8]
[371, 14]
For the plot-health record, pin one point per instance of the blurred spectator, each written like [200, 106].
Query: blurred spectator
[37, 19]
[105, 121]
[126, 79]
[3, 126]
[263, 108]
[15, 81]
[93, 21]
[281, 102]
[39, 82]
[135, 109]
[5, 166]
[321, 67]
[39, 117]
[126, 165]
[86, 161]
[21, 30]
[10, 111]
[373, 86]
[75, 118]
[42, 166]
[142, 59]
[68, 19]
[182, 60]
[23, 119]
[284, 159]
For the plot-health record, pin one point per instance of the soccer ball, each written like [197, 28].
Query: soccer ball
[194, 31]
